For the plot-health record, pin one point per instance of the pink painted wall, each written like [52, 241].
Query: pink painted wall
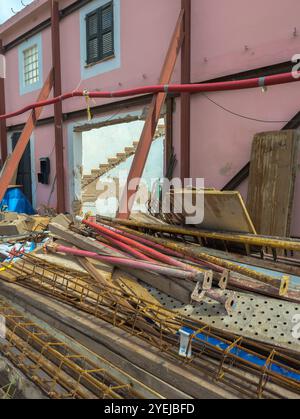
[141, 56]
[221, 30]
[13, 99]
[143, 48]
[44, 147]
[221, 142]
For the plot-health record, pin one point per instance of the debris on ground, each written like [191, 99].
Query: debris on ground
[215, 303]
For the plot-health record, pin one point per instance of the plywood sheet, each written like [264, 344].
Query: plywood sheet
[223, 211]
[272, 181]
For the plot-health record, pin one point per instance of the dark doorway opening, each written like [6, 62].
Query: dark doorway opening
[24, 177]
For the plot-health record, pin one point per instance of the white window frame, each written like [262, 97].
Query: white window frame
[31, 65]
[25, 87]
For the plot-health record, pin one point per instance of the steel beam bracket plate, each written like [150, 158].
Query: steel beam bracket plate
[205, 279]
[223, 283]
[198, 293]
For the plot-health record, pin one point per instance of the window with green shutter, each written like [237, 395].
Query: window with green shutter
[100, 33]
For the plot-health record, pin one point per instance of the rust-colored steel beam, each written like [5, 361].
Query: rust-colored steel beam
[58, 114]
[13, 162]
[185, 124]
[3, 131]
[141, 155]
[169, 136]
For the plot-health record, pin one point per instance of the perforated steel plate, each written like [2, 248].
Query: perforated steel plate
[263, 319]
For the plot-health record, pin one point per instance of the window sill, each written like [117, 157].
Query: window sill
[111, 57]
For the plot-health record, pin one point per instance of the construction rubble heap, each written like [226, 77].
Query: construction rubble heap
[145, 309]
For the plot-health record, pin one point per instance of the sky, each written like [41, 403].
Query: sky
[7, 5]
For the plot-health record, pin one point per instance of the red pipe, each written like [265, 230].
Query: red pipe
[147, 250]
[120, 253]
[127, 248]
[146, 242]
[160, 247]
[175, 88]
[164, 249]
[129, 263]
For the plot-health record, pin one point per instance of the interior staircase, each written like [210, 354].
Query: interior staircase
[89, 182]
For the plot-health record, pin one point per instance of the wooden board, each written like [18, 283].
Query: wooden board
[223, 211]
[272, 181]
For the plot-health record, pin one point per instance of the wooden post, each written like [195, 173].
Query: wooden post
[185, 130]
[13, 162]
[154, 113]
[3, 132]
[58, 115]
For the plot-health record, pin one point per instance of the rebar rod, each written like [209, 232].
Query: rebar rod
[163, 336]
[66, 369]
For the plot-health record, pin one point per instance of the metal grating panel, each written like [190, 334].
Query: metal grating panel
[263, 319]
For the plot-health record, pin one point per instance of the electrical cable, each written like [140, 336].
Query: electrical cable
[240, 115]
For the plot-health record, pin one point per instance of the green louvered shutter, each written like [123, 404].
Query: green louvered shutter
[100, 34]
[107, 31]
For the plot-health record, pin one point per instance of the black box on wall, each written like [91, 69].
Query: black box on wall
[43, 177]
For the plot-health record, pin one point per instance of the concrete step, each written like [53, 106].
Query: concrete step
[121, 155]
[89, 198]
[96, 173]
[113, 160]
[89, 185]
[104, 167]
[87, 178]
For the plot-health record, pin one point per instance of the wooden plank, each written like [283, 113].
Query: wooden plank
[13, 163]
[117, 278]
[223, 211]
[272, 181]
[154, 114]
[243, 174]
